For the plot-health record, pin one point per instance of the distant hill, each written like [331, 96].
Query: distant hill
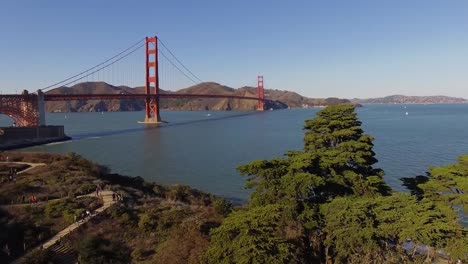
[281, 99]
[402, 99]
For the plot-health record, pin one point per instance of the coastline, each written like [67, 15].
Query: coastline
[25, 143]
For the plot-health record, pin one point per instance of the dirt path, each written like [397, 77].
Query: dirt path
[32, 165]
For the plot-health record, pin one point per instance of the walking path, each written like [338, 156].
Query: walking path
[32, 165]
[107, 199]
[106, 196]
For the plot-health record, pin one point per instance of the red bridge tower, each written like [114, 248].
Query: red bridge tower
[152, 78]
[261, 94]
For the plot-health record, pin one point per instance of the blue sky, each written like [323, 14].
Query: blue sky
[316, 48]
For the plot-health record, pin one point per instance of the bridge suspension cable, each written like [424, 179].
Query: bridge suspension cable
[121, 55]
[103, 67]
[172, 54]
[174, 75]
[173, 64]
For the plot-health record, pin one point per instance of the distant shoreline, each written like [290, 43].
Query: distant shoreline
[458, 103]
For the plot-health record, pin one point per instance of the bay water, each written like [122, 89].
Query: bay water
[203, 148]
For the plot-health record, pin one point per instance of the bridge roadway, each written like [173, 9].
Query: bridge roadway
[70, 97]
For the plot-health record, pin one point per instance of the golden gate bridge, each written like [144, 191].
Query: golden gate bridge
[28, 109]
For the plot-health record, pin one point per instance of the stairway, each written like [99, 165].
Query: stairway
[62, 254]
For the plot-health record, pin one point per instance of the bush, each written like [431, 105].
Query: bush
[122, 214]
[146, 223]
[141, 253]
[179, 193]
[39, 257]
[159, 190]
[94, 250]
[222, 206]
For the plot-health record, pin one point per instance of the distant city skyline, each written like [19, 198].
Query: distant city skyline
[346, 49]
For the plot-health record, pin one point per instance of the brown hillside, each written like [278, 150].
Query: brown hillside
[280, 99]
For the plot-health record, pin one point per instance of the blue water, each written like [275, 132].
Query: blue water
[203, 148]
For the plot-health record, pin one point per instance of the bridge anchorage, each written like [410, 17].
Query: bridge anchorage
[29, 109]
[26, 109]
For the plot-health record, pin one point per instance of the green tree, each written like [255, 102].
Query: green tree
[250, 236]
[337, 160]
[345, 155]
[448, 183]
[221, 206]
[335, 207]
[361, 228]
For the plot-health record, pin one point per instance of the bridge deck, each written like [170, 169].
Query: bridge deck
[70, 97]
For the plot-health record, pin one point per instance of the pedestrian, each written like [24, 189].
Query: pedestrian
[6, 249]
[113, 196]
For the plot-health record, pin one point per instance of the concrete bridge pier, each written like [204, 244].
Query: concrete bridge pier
[41, 108]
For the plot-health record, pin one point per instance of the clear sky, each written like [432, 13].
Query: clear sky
[317, 48]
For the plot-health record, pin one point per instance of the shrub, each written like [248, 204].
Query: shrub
[93, 250]
[39, 257]
[222, 206]
[145, 223]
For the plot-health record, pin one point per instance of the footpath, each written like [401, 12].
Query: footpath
[32, 165]
[106, 196]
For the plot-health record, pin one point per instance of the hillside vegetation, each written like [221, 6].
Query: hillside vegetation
[152, 224]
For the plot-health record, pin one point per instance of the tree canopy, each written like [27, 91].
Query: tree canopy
[329, 204]
[251, 236]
